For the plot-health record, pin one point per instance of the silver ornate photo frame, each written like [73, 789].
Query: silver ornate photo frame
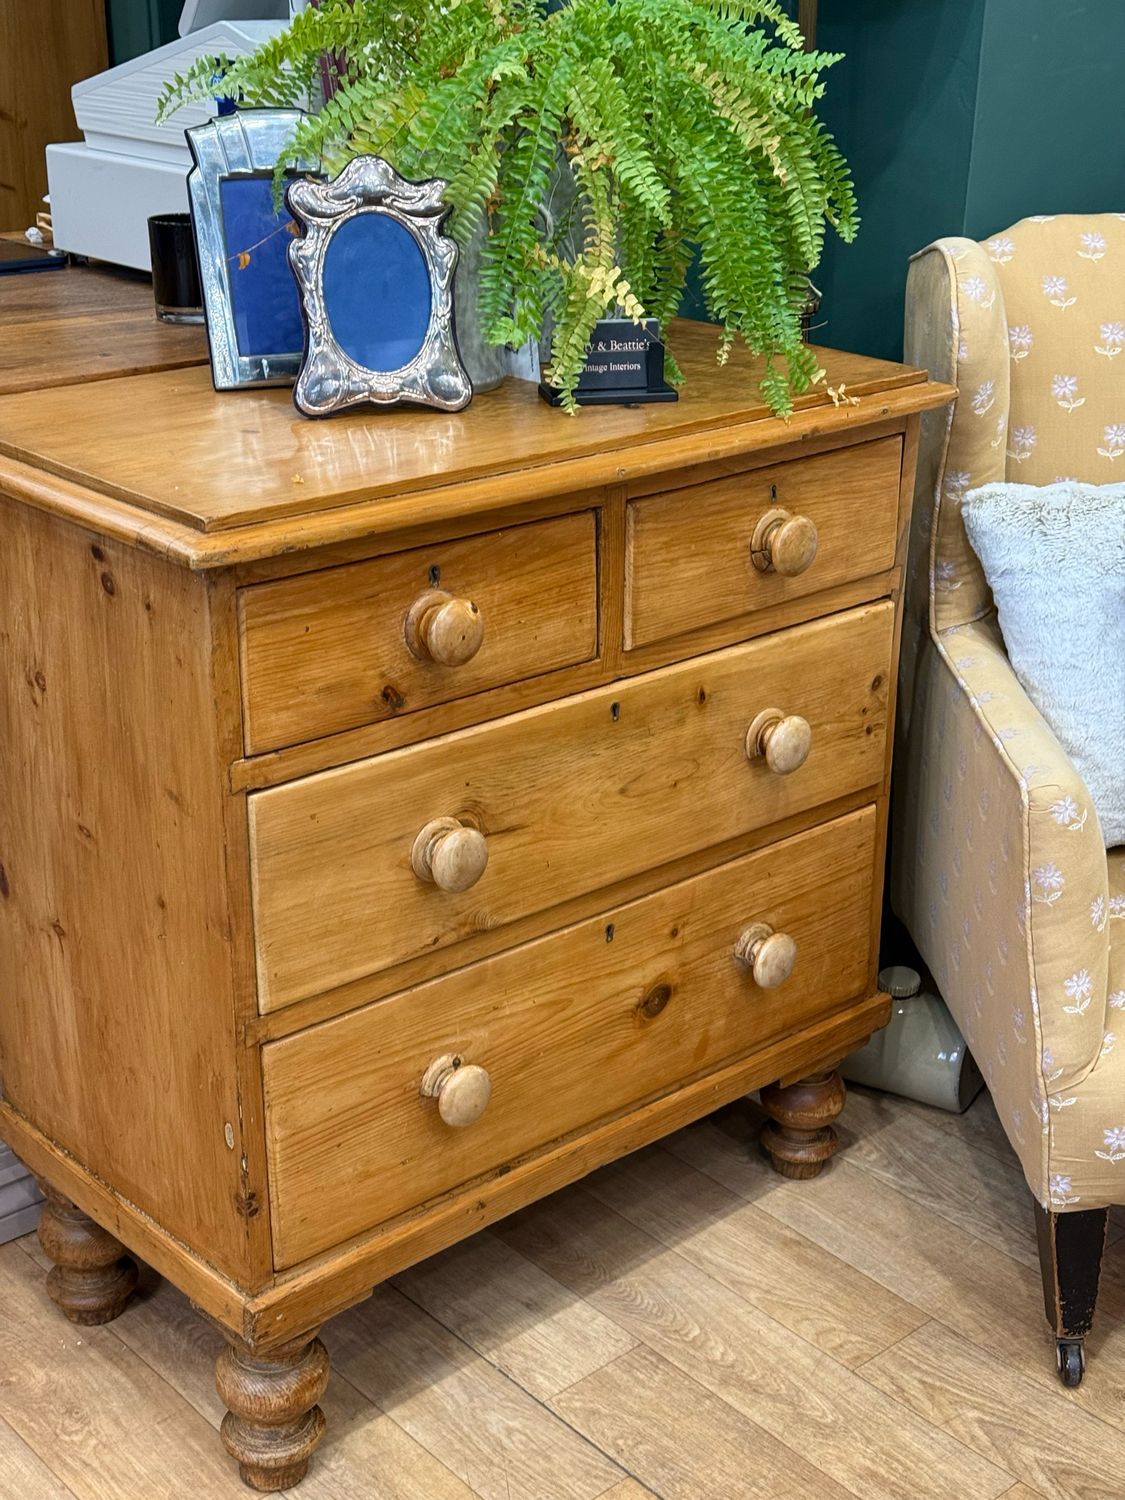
[331, 378]
[249, 306]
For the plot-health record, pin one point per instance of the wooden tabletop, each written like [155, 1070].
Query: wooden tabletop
[86, 323]
[216, 477]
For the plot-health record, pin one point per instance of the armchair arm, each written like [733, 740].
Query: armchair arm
[1016, 902]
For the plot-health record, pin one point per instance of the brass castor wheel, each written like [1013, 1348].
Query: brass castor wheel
[1071, 1356]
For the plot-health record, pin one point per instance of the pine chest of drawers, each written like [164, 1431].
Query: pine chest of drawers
[403, 815]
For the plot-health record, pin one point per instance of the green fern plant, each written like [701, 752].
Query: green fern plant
[670, 123]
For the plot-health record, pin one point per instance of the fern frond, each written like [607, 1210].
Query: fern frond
[587, 147]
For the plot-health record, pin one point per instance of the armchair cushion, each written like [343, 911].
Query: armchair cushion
[1054, 558]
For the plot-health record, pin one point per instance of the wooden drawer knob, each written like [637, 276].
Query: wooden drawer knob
[768, 955]
[783, 739]
[462, 1090]
[783, 543]
[449, 854]
[440, 627]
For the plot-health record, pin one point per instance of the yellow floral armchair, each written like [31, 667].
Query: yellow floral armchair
[1000, 871]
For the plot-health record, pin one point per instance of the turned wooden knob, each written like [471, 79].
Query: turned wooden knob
[783, 739]
[783, 543]
[768, 955]
[462, 1090]
[449, 854]
[440, 627]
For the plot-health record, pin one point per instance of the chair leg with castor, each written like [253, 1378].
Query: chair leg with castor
[1070, 1257]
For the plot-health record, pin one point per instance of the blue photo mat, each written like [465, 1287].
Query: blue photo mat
[265, 303]
[377, 291]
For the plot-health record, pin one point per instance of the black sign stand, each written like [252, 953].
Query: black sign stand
[624, 367]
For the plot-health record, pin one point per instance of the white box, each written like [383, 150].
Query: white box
[101, 202]
[104, 189]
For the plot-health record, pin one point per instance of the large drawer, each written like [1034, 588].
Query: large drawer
[569, 798]
[570, 1029]
[720, 550]
[350, 645]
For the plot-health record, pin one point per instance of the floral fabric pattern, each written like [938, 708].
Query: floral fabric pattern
[999, 865]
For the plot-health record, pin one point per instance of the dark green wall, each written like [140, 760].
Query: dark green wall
[1050, 132]
[137, 26]
[960, 117]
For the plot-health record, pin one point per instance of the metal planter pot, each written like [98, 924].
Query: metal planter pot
[485, 364]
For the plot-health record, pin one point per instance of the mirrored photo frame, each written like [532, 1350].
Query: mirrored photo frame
[255, 330]
[375, 272]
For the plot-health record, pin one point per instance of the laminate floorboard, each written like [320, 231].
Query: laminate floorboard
[26, 1475]
[683, 1325]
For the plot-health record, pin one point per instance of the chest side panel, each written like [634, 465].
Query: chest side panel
[116, 1010]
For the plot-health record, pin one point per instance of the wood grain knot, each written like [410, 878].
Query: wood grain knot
[655, 1001]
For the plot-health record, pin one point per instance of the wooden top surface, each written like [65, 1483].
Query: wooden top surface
[86, 323]
[216, 478]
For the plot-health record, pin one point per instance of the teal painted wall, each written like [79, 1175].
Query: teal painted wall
[137, 26]
[960, 117]
[1050, 131]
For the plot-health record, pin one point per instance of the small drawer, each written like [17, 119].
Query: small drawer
[327, 651]
[359, 868]
[367, 1117]
[720, 550]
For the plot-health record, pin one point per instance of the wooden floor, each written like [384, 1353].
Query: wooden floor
[684, 1324]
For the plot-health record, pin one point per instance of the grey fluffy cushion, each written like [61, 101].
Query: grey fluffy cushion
[1054, 557]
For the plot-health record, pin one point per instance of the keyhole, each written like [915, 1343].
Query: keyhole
[435, 576]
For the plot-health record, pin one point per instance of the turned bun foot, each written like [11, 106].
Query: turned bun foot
[799, 1136]
[273, 1423]
[92, 1278]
